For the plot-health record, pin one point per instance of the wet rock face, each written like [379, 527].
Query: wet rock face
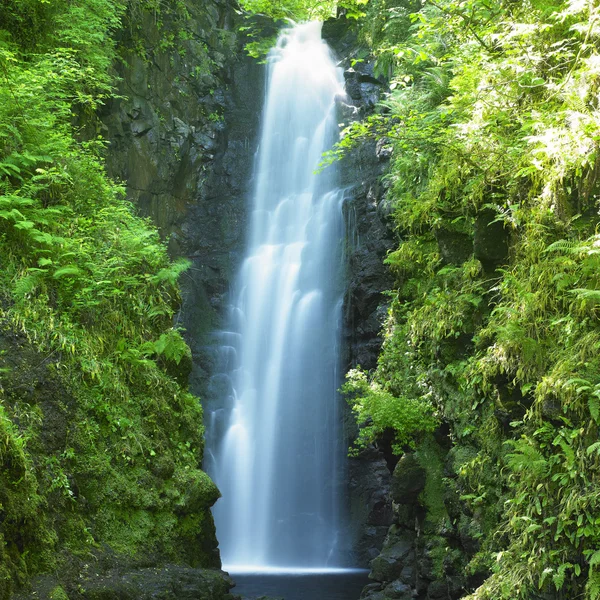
[182, 139]
[362, 86]
[216, 224]
[396, 569]
[369, 237]
[369, 240]
[165, 128]
[370, 507]
[389, 565]
[369, 233]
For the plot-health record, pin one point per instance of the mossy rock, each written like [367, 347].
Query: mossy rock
[390, 562]
[458, 456]
[199, 491]
[490, 244]
[167, 583]
[408, 480]
[455, 246]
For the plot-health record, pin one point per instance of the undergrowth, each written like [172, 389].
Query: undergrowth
[100, 443]
[494, 119]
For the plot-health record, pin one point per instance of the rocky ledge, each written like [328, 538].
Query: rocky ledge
[170, 582]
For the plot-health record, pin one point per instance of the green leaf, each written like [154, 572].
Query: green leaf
[68, 271]
[594, 406]
[24, 225]
[595, 447]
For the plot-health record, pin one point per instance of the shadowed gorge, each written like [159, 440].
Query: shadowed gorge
[391, 364]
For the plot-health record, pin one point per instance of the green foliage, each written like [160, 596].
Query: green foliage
[377, 410]
[494, 109]
[304, 10]
[170, 345]
[88, 289]
[22, 520]
[297, 10]
[58, 593]
[260, 32]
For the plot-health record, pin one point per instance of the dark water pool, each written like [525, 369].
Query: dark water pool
[343, 585]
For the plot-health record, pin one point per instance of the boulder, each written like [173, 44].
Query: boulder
[398, 591]
[455, 247]
[369, 589]
[437, 590]
[408, 480]
[390, 562]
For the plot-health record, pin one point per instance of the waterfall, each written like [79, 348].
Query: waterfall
[278, 459]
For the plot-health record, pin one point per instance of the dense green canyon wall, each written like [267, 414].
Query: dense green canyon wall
[486, 387]
[102, 444]
[471, 213]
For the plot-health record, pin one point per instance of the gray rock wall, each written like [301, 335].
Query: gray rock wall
[368, 238]
[182, 139]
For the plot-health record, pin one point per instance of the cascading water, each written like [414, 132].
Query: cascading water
[278, 460]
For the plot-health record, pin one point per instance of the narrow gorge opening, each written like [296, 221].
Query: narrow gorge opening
[275, 448]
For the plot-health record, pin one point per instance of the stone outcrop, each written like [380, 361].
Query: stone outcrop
[171, 582]
[168, 582]
[369, 237]
[182, 139]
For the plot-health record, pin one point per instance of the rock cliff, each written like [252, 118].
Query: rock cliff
[368, 239]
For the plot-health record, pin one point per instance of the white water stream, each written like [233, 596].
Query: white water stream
[277, 463]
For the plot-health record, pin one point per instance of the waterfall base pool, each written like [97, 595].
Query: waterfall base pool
[328, 585]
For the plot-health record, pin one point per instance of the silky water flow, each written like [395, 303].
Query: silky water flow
[276, 454]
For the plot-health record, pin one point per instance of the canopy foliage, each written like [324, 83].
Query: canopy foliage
[304, 10]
